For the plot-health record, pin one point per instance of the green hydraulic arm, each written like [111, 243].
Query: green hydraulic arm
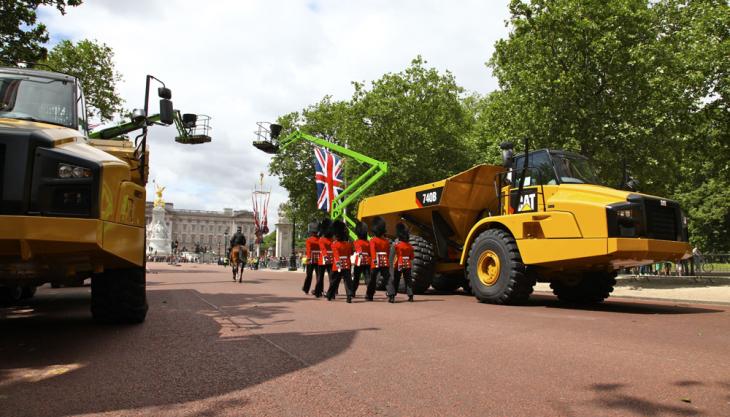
[191, 128]
[352, 191]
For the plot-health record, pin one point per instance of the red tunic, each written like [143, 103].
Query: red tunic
[403, 255]
[362, 250]
[379, 252]
[325, 251]
[312, 246]
[341, 251]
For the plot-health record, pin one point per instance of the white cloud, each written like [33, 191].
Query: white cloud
[254, 60]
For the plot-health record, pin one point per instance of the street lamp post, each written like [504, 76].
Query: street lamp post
[225, 244]
[293, 257]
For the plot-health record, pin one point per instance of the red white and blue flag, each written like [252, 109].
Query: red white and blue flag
[328, 175]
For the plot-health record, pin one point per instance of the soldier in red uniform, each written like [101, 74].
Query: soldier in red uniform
[312, 254]
[325, 256]
[341, 252]
[379, 252]
[403, 263]
[362, 256]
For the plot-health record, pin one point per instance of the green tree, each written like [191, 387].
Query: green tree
[93, 64]
[418, 120]
[269, 241]
[622, 81]
[22, 38]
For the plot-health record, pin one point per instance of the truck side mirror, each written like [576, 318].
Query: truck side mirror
[164, 92]
[167, 115]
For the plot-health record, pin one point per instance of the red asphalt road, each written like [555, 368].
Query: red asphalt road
[212, 347]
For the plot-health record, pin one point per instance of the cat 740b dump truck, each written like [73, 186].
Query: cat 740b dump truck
[497, 230]
[70, 206]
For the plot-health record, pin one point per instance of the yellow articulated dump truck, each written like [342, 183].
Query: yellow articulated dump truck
[70, 207]
[543, 216]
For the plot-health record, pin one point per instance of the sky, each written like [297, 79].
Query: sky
[247, 61]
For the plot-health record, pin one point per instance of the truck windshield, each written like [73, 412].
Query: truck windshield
[574, 169]
[37, 99]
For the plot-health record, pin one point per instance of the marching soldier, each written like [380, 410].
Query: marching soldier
[312, 256]
[341, 252]
[379, 252]
[362, 256]
[325, 256]
[403, 263]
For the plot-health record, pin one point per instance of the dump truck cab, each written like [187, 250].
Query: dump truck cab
[497, 230]
[68, 209]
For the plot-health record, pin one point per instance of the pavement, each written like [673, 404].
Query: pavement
[212, 347]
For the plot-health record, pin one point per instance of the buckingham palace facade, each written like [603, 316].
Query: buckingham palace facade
[204, 228]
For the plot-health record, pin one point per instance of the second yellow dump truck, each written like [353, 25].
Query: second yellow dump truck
[497, 230]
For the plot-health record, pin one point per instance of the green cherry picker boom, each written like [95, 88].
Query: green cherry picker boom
[267, 140]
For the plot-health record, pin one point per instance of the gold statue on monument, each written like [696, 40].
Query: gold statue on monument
[159, 202]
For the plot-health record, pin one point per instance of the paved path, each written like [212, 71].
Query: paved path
[212, 347]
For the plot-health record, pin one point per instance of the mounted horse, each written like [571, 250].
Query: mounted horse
[239, 255]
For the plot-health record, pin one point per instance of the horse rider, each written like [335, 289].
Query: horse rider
[238, 243]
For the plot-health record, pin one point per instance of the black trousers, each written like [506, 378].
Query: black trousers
[310, 270]
[319, 287]
[394, 281]
[384, 272]
[335, 283]
[358, 271]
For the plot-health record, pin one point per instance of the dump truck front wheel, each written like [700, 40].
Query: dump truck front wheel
[495, 269]
[589, 288]
[118, 296]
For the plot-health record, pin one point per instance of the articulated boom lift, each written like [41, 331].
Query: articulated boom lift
[269, 142]
[191, 128]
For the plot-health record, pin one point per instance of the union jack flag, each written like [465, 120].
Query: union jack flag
[328, 175]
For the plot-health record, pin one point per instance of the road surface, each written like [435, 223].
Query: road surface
[212, 347]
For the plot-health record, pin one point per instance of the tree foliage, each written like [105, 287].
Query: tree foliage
[93, 64]
[416, 120]
[623, 81]
[22, 38]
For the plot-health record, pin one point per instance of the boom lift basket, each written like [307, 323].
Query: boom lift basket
[193, 128]
[267, 137]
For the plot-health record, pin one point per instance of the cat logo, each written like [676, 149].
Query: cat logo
[527, 202]
[663, 203]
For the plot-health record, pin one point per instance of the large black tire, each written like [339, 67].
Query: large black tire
[447, 282]
[10, 295]
[422, 270]
[589, 288]
[509, 283]
[28, 291]
[119, 296]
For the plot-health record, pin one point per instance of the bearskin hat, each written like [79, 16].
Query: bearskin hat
[325, 228]
[402, 232]
[339, 229]
[312, 228]
[361, 230]
[378, 226]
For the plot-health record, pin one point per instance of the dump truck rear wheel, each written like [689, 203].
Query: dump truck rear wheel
[118, 296]
[496, 272]
[28, 291]
[590, 288]
[446, 282]
[10, 295]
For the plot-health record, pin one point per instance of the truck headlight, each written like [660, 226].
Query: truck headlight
[72, 171]
[624, 220]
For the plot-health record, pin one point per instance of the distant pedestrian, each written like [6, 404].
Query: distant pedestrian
[379, 254]
[403, 263]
